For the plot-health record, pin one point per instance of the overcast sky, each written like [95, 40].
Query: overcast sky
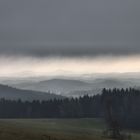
[67, 28]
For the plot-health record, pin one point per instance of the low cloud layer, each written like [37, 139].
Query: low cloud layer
[30, 67]
[69, 27]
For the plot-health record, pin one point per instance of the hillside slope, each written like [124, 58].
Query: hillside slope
[14, 93]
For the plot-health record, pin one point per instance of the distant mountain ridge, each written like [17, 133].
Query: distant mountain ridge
[59, 86]
[8, 92]
[70, 87]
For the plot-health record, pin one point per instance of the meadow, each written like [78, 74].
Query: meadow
[54, 129]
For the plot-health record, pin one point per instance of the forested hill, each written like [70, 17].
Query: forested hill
[15, 94]
[125, 107]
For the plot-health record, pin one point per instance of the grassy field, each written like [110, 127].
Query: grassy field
[53, 129]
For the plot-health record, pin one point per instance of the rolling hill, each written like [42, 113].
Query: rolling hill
[58, 86]
[14, 93]
[69, 87]
[76, 85]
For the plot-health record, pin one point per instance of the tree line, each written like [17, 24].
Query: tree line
[87, 106]
[125, 104]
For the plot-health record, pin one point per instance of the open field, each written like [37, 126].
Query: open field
[53, 129]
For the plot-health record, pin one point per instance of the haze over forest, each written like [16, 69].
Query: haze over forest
[69, 69]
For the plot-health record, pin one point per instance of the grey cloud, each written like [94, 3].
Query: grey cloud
[69, 27]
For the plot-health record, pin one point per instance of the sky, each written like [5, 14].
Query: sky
[53, 37]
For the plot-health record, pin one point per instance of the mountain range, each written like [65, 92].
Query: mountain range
[70, 87]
